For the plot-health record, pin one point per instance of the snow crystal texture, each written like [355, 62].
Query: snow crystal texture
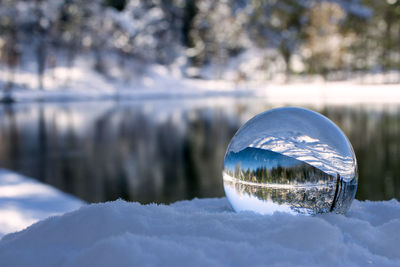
[207, 233]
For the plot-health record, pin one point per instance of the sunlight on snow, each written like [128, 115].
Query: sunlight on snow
[25, 201]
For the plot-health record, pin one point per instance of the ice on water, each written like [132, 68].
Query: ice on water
[291, 157]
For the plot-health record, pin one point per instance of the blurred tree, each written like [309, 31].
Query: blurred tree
[72, 19]
[324, 47]
[189, 13]
[148, 30]
[372, 34]
[41, 26]
[278, 24]
[217, 32]
[384, 28]
[117, 4]
[9, 43]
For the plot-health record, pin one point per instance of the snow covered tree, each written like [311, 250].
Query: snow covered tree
[217, 31]
[331, 34]
[279, 25]
[378, 37]
[323, 50]
[148, 30]
[9, 41]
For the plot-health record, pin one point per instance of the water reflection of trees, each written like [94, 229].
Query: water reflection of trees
[309, 199]
[124, 152]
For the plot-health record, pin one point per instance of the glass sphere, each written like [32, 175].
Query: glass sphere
[292, 160]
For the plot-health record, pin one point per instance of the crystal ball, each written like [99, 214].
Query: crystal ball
[290, 160]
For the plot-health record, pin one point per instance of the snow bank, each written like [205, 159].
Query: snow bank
[207, 233]
[82, 83]
[24, 201]
[318, 94]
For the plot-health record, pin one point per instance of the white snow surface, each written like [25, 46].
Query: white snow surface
[206, 232]
[24, 201]
[81, 82]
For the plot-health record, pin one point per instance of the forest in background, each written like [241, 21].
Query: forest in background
[205, 39]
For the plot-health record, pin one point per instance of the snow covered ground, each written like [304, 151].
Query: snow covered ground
[318, 94]
[24, 201]
[81, 83]
[207, 232]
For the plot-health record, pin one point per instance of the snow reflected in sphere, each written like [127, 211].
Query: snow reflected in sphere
[292, 160]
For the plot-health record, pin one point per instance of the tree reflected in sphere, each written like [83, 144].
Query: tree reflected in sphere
[292, 160]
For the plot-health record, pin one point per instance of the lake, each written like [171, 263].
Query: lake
[167, 150]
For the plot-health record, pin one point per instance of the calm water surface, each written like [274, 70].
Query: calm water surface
[163, 151]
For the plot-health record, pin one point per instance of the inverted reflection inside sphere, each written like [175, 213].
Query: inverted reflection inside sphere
[293, 160]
